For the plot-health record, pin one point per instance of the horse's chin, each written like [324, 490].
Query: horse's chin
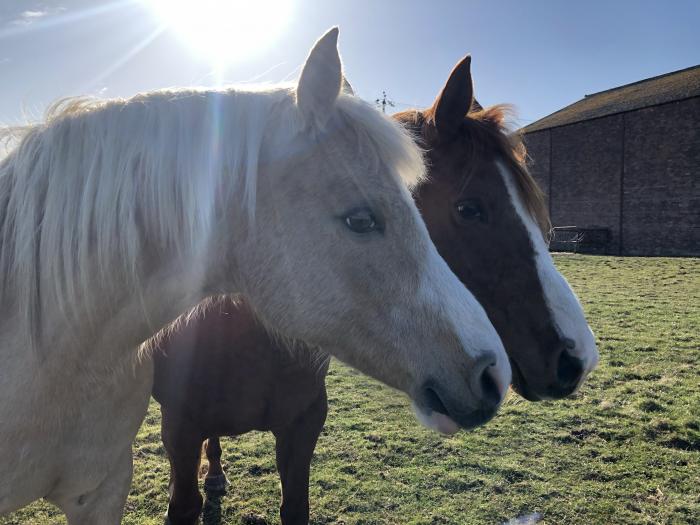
[435, 420]
[520, 386]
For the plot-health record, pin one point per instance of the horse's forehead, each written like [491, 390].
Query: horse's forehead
[460, 163]
[360, 162]
[343, 175]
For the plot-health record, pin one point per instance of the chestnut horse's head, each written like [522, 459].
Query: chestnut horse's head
[488, 219]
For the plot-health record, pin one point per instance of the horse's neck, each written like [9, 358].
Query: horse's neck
[142, 313]
[127, 317]
[166, 293]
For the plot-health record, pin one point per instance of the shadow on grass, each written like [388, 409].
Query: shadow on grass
[211, 513]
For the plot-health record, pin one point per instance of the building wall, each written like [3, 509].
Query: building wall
[586, 164]
[636, 173]
[537, 144]
[661, 206]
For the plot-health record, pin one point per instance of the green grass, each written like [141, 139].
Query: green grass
[625, 449]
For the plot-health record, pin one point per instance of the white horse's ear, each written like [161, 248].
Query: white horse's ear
[320, 81]
[347, 88]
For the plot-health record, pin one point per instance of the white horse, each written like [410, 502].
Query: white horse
[117, 216]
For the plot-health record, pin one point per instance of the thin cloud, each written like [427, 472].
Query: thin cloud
[32, 15]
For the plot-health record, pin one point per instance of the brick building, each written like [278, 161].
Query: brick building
[626, 159]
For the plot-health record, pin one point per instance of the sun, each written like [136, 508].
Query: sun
[223, 32]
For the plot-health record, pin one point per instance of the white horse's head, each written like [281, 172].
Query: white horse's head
[122, 214]
[337, 255]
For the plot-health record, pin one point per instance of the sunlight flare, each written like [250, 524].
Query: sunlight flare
[225, 31]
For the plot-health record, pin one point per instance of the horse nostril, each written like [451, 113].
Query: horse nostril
[433, 400]
[489, 388]
[569, 369]
[483, 381]
[569, 344]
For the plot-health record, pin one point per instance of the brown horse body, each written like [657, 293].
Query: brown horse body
[222, 374]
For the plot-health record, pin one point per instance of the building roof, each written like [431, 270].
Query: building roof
[653, 91]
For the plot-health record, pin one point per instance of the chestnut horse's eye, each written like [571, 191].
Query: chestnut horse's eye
[361, 220]
[470, 210]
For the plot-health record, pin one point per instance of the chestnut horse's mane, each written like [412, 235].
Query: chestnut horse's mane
[487, 133]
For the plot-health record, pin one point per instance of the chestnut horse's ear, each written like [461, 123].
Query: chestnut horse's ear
[455, 99]
[321, 77]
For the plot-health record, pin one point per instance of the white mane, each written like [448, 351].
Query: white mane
[85, 193]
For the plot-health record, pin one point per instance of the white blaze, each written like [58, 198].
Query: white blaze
[560, 299]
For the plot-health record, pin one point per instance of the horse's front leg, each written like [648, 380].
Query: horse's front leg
[97, 461]
[184, 448]
[105, 504]
[295, 447]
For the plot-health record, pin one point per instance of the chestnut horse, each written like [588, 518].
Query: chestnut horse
[487, 218]
[239, 379]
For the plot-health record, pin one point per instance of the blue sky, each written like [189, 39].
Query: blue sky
[538, 55]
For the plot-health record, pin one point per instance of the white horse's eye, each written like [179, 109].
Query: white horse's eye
[361, 220]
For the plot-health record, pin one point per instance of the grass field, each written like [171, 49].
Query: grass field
[625, 449]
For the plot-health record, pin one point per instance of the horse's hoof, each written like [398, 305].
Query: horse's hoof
[216, 485]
